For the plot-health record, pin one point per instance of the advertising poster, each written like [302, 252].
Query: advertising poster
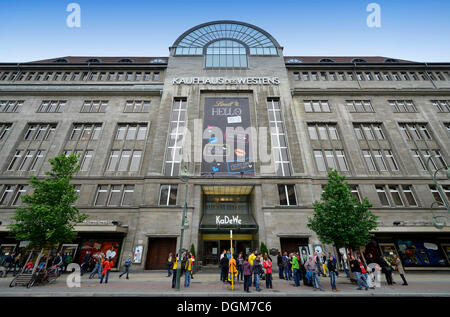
[420, 253]
[227, 139]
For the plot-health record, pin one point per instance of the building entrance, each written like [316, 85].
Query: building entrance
[158, 251]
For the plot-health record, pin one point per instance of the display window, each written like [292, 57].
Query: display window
[420, 253]
[109, 248]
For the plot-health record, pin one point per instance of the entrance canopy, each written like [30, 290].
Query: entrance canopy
[227, 190]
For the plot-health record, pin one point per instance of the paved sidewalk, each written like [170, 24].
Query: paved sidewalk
[208, 284]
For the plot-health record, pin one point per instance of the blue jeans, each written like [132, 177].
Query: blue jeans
[127, 271]
[256, 280]
[280, 271]
[315, 280]
[361, 280]
[169, 271]
[296, 277]
[187, 279]
[333, 279]
[240, 272]
[97, 269]
[347, 272]
[287, 273]
[106, 277]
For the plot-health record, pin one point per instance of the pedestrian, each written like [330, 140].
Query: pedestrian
[324, 264]
[9, 262]
[224, 252]
[183, 263]
[356, 270]
[169, 264]
[280, 266]
[295, 270]
[386, 268]
[256, 268]
[267, 264]
[232, 270]
[67, 261]
[286, 268]
[98, 261]
[127, 266]
[311, 269]
[318, 264]
[193, 265]
[344, 263]
[224, 268]
[17, 263]
[188, 270]
[107, 265]
[86, 260]
[174, 271]
[399, 268]
[365, 273]
[251, 258]
[57, 261]
[240, 262]
[331, 265]
[247, 270]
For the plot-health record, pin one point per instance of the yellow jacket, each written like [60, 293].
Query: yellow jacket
[175, 264]
[188, 265]
[251, 258]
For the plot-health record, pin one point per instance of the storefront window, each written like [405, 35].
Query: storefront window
[420, 253]
[103, 246]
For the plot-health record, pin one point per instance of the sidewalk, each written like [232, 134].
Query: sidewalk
[208, 284]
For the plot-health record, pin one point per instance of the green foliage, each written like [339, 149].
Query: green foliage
[193, 250]
[263, 249]
[340, 218]
[48, 215]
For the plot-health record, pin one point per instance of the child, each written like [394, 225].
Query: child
[106, 269]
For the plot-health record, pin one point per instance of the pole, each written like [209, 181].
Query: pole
[232, 269]
[183, 216]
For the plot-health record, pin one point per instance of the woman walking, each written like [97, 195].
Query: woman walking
[188, 271]
[240, 268]
[400, 269]
[267, 264]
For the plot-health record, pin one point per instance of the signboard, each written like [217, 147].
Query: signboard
[227, 137]
[226, 81]
[137, 258]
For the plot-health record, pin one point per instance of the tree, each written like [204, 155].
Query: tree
[49, 215]
[340, 218]
[263, 249]
[193, 250]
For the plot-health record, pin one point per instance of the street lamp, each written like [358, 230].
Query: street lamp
[184, 176]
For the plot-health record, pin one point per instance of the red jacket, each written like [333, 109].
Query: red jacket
[107, 266]
[268, 266]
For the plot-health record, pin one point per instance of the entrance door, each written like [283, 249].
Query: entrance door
[158, 251]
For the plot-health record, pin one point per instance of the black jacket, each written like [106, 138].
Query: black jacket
[354, 266]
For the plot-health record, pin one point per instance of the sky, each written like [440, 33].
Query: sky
[412, 30]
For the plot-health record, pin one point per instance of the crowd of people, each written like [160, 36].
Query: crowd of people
[186, 263]
[251, 269]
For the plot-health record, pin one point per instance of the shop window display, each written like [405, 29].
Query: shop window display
[103, 246]
[420, 253]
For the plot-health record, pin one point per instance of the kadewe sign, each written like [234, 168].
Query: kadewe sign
[227, 137]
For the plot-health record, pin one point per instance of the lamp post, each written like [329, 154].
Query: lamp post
[184, 176]
[444, 202]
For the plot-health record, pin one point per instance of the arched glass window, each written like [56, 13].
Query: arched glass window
[226, 53]
[391, 60]
[255, 39]
[125, 61]
[61, 60]
[326, 60]
[359, 60]
[293, 61]
[93, 60]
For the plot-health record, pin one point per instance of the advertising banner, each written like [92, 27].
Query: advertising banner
[227, 137]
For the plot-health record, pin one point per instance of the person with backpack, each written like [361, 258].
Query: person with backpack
[127, 266]
[267, 264]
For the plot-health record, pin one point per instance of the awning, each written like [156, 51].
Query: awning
[228, 222]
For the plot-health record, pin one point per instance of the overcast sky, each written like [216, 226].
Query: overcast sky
[412, 30]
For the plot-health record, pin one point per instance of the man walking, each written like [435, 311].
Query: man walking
[332, 269]
[256, 272]
[127, 266]
[280, 266]
[98, 260]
